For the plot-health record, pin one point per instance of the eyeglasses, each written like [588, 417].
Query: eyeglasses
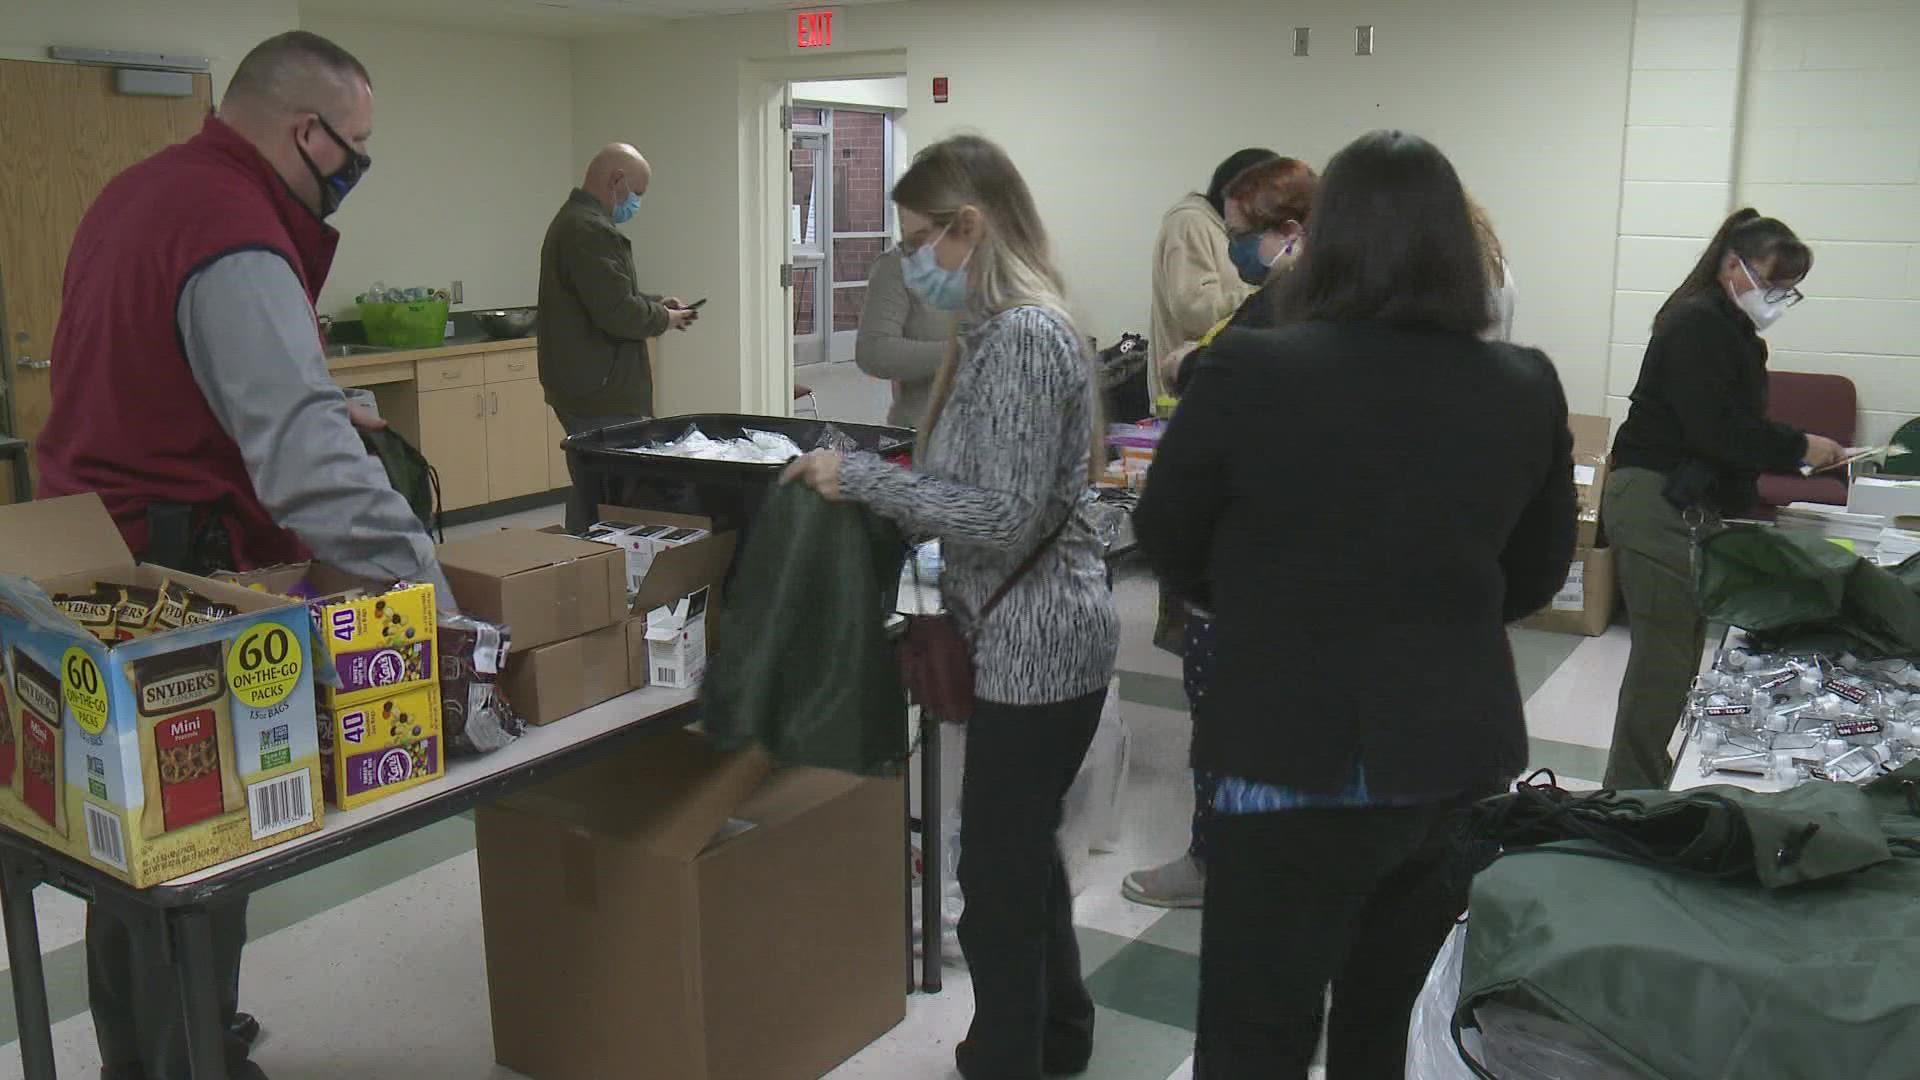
[1784, 295]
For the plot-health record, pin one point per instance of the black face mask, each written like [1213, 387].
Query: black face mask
[334, 189]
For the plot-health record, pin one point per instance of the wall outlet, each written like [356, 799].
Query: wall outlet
[458, 292]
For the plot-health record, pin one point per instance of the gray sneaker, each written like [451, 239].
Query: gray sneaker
[1181, 883]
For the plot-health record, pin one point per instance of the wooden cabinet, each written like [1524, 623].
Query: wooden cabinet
[484, 421]
[453, 436]
[516, 439]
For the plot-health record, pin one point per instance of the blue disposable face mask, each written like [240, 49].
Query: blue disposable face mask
[628, 207]
[938, 287]
[1254, 267]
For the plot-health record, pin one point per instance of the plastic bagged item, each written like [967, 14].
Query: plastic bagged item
[476, 716]
[755, 448]
[1431, 1053]
[1090, 821]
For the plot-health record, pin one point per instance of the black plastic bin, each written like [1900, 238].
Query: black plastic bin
[728, 492]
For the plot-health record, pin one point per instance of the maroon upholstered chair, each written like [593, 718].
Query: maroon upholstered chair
[1825, 405]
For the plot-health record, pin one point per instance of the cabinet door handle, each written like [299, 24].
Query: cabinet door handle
[452, 375]
[479, 406]
[496, 403]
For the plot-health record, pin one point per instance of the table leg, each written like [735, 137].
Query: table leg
[906, 809]
[932, 888]
[192, 930]
[17, 883]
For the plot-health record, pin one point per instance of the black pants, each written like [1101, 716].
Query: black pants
[135, 996]
[1030, 1004]
[1362, 899]
[581, 511]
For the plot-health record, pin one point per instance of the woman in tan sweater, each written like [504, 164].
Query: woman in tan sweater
[1194, 281]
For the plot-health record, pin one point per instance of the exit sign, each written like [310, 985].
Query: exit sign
[812, 29]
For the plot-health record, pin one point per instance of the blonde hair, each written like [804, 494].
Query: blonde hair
[1012, 264]
[1491, 254]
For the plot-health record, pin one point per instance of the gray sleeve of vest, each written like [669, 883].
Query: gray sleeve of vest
[250, 338]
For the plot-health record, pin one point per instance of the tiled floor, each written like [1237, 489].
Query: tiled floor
[350, 985]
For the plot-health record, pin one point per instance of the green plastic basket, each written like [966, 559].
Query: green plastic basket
[414, 325]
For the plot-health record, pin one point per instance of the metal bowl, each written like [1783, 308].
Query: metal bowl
[510, 323]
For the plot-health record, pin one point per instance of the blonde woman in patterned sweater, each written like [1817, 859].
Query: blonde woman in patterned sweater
[1007, 456]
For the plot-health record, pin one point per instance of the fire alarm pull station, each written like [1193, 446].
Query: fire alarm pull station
[940, 90]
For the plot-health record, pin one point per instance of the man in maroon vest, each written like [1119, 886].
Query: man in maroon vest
[190, 390]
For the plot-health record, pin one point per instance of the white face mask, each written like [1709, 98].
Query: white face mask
[1754, 302]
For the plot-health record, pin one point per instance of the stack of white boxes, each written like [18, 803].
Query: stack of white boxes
[676, 634]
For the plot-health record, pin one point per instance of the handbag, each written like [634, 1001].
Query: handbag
[936, 658]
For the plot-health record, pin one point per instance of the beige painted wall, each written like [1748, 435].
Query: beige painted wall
[472, 153]
[1114, 110]
[888, 93]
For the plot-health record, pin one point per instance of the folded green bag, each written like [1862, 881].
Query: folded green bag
[1807, 967]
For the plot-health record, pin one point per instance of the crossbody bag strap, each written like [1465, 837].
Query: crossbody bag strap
[1032, 560]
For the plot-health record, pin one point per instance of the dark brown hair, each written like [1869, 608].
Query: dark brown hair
[1223, 174]
[1275, 192]
[1755, 239]
[1391, 240]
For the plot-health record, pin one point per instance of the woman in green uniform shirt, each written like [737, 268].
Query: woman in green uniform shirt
[1693, 446]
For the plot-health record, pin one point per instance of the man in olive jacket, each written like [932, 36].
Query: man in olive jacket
[594, 320]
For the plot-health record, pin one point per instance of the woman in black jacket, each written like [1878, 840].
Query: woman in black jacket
[1363, 687]
[1694, 443]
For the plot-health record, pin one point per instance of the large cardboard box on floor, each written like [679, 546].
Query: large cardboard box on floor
[679, 914]
[1591, 437]
[1584, 604]
[542, 586]
[157, 756]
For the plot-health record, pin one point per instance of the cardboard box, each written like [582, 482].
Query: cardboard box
[378, 748]
[678, 914]
[557, 680]
[159, 756]
[677, 642]
[1592, 436]
[542, 586]
[1585, 603]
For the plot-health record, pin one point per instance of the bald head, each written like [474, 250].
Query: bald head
[295, 72]
[307, 105]
[614, 171]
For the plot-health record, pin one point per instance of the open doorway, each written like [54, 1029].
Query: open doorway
[845, 143]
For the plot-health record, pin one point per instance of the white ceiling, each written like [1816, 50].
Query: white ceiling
[554, 17]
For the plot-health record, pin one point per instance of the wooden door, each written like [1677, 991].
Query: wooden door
[65, 132]
[557, 475]
[453, 436]
[517, 458]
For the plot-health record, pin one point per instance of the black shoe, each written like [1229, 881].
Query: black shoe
[121, 1072]
[1066, 1055]
[245, 1027]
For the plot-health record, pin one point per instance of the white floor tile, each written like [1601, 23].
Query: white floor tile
[1576, 703]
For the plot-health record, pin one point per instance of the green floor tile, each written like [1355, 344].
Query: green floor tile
[1179, 929]
[1159, 691]
[1537, 655]
[1152, 982]
[1134, 1048]
[1097, 947]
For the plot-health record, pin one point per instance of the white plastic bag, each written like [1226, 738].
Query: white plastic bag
[1091, 818]
[1431, 1054]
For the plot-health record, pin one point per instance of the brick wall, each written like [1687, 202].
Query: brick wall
[859, 177]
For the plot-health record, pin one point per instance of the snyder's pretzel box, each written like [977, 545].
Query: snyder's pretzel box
[157, 756]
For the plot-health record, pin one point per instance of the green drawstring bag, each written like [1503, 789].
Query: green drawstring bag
[807, 669]
[409, 472]
[1714, 933]
[1792, 590]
